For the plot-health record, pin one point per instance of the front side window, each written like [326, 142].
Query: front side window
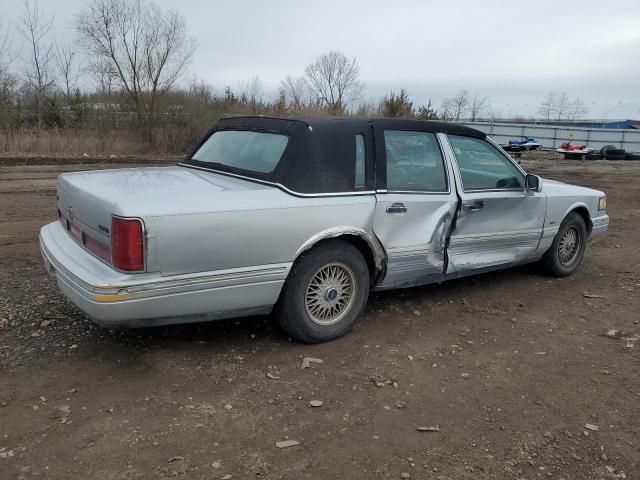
[247, 150]
[414, 161]
[483, 167]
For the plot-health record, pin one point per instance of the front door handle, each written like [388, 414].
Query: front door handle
[475, 206]
[397, 208]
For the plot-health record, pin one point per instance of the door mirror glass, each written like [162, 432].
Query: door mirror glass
[533, 183]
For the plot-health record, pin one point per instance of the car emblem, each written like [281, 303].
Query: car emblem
[70, 211]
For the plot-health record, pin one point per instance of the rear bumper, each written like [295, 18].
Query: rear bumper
[599, 225]
[114, 299]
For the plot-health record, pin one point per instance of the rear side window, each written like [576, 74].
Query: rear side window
[483, 167]
[414, 161]
[360, 159]
[255, 151]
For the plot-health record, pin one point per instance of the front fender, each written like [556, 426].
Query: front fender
[574, 206]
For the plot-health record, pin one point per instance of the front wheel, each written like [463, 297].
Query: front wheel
[326, 291]
[568, 247]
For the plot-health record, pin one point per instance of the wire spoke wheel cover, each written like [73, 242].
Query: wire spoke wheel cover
[330, 294]
[569, 246]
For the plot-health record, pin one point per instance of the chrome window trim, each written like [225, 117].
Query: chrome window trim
[416, 192]
[481, 190]
[280, 186]
[486, 190]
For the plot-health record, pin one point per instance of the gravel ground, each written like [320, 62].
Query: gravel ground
[505, 375]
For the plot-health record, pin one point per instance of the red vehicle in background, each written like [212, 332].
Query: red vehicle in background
[568, 147]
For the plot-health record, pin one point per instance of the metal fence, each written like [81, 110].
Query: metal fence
[550, 136]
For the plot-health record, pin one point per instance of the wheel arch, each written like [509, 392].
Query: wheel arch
[366, 243]
[582, 210]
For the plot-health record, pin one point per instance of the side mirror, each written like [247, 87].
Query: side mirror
[532, 183]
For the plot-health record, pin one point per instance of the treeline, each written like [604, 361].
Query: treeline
[119, 85]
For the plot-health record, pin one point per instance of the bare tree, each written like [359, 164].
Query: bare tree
[280, 104]
[334, 80]
[478, 106]
[296, 93]
[561, 105]
[201, 90]
[548, 105]
[8, 81]
[367, 109]
[143, 49]
[103, 76]
[459, 104]
[447, 109]
[38, 74]
[577, 109]
[252, 91]
[6, 51]
[65, 58]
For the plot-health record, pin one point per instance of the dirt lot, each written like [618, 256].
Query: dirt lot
[514, 369]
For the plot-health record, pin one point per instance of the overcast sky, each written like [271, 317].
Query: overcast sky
[512, 51]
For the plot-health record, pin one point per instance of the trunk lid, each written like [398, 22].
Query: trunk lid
[88, 200]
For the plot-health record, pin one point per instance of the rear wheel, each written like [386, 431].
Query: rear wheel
[326, 291]
[568, 247]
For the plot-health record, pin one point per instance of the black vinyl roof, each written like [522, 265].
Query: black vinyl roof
[339, 123]
[320, 154]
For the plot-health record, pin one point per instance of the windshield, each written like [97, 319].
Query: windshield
[244, 149]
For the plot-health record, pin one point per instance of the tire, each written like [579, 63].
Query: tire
[594, 156]
[304, 311]
[611, 156]
[552, 262]
[614, 152]
[606, 148]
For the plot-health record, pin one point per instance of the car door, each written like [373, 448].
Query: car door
[499, 223]
[415, 204]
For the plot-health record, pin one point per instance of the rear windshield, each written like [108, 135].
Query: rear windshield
[247, 150]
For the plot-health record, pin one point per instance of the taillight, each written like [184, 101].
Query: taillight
[99, 249]
[127, 244]
[74, 231]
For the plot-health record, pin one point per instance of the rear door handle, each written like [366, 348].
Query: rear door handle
[475, 206]
[397, 208]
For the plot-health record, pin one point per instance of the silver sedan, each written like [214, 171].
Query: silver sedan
[306, 217]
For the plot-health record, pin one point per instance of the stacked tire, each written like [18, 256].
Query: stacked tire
[610, 152]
